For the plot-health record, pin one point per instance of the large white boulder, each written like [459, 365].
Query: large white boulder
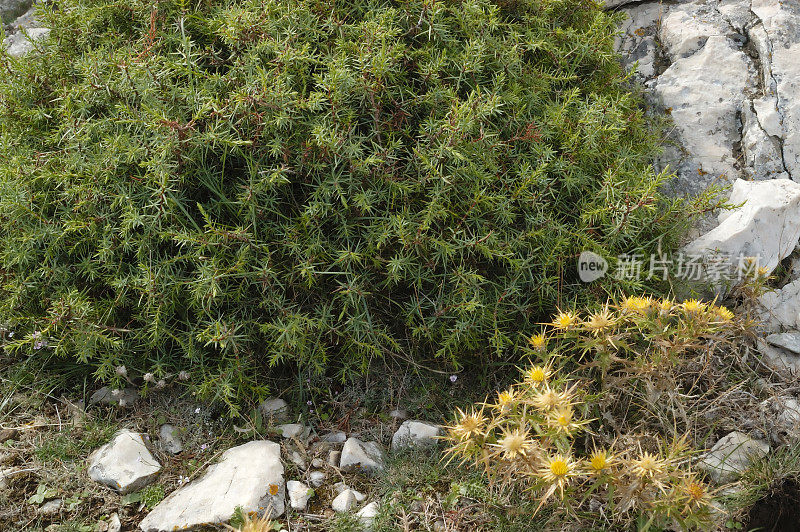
[250, 476]
[124, 463]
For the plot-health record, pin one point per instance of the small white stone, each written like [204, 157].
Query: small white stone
[318, 463]
[291, 430]
[361, 456]
[298, 460]
[114, 524]
[299, 494]
[124, 463]
[334, 437]
[415, 434]
[344, 502]
[334, 458]
[50, 507]
[368, 514]
[249, 476]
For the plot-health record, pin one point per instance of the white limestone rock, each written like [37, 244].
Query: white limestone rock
[334, 437]
[779, 47]
[778, 358]
[124, 464]
[316, 478]
[361, 456]
[704, 94]
[367, 514]
[21, 43]
[299, 494]
[415, 434]
[766, 226]
[789, 341]
[344, 502]
[731, 456]
[291, 430]
[250, 476]
[107, 396]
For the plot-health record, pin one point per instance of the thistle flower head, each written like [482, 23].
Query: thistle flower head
[600, 322]
[562, 419]
[723, 314]
[506, 399]
[514, 444]
[636, 305]
[564, 320]
[600, 461]
[547, 399]
[648, 466]
[538, 341]
[557, 470]
[693, 306]
[469, 425]
[537, 375]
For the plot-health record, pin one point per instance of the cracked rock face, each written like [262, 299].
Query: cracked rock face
[727, 73]
[124, 463]
[249, 476]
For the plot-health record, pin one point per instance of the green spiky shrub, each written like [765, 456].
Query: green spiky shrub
[225, 186]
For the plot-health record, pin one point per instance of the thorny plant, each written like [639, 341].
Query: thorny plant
[538, 434]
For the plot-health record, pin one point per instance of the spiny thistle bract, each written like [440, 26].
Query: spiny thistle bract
[220, 187]
[528, 436]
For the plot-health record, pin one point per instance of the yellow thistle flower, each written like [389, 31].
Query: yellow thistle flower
[693, 306]
[253, 524]
[724, 314]
[514, 444]
[636, 305]
[565, 320]
[563, 420]
[547, 399]
[506, 399]
[600, 321]
[538, 341]
[557, 470]
[600, 461]
[469, 425]
[695, 493]
[763, 272]
[648, 466]
[537, 375]
[665, 305]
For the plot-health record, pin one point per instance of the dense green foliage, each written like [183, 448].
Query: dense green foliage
[220, 186]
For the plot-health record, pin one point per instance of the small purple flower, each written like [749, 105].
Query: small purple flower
[309, 403]
[204, 447]
[453, 378]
